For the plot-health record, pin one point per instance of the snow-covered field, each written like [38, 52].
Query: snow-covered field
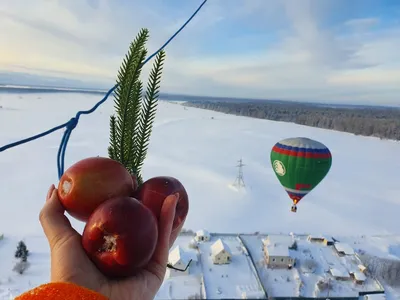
[360, 195]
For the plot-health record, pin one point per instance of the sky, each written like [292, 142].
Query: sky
[314, 50]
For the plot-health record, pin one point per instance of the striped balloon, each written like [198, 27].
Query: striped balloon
[300, 164]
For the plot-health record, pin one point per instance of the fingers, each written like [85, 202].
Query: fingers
[165, 227]
[55, 224]
[175, 233]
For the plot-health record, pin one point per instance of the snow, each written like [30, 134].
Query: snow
[278, 245]
[220, 280]
[344, 248]
[276, 282]
[179, 285]
[314, 262]
[357, 203]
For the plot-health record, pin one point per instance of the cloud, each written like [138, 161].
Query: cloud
[314, 50]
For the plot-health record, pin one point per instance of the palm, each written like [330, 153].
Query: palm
[69, 262]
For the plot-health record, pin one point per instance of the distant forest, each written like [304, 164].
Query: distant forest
[381, 122]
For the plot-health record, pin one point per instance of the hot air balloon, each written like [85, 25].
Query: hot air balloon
[300, 164]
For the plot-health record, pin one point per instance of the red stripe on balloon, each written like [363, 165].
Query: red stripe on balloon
[300, 153]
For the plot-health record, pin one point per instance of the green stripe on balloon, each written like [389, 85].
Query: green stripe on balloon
[300, 164]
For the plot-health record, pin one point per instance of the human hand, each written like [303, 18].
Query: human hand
[69, 262]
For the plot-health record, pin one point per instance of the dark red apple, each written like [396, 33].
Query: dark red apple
[153, 192]
[120, 237]
[91, 181]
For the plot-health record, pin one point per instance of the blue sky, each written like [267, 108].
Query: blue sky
[315, 50]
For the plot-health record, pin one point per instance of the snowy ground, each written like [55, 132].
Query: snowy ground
[224, 281]
[358, 197]
[277, 282]
[179, 285]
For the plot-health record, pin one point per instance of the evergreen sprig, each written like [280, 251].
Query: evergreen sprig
[148, 111]
[131, 127]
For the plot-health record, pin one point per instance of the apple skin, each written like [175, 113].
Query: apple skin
[91, 181]
[153, 192]
[120, 237]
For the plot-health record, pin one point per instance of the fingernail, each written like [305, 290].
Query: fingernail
[50, 192]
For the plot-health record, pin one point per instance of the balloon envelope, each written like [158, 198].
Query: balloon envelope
[300, 164]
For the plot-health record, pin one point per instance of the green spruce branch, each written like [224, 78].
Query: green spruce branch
[148, 111]
[131, 127]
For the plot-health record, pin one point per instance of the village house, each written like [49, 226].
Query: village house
[202, 236]
[343, 249]
[339, 274]
[276, 251]
[179, 259]
[358, 277]
[220, 253]
[320, 239]
[362, 268]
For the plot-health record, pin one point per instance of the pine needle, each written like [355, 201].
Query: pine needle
[131, 127]
[148, 111]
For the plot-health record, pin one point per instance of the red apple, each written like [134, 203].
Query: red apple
[153, 192]
[120, 236]
[91, 181]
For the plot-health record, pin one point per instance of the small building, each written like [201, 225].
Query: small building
[220, 253]
[344, 249]
[339, 274]
[202, 236]
[276, 251]
[320, 239]
[358, 277]
[362, 268]
[179, 259]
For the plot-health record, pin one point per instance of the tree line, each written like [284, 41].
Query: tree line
[381, 122]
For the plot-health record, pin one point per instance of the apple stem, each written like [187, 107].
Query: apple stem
[110, 244]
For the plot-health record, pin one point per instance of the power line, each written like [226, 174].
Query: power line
[239, 181]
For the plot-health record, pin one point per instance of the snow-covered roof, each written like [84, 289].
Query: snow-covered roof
[202, 232]
[279, 239]
[358, 275]
[218, 247]
[345, 248]
[178, 254]
[339, 273]
[375, 297]
[278, 245]
[278, 250]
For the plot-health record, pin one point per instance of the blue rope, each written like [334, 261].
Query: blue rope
[71, 124]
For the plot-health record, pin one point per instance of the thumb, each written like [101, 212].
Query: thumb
[55, 224]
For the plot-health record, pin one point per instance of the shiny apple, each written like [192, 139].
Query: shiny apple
[90, 182]
[153, 192]
[120, 237]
